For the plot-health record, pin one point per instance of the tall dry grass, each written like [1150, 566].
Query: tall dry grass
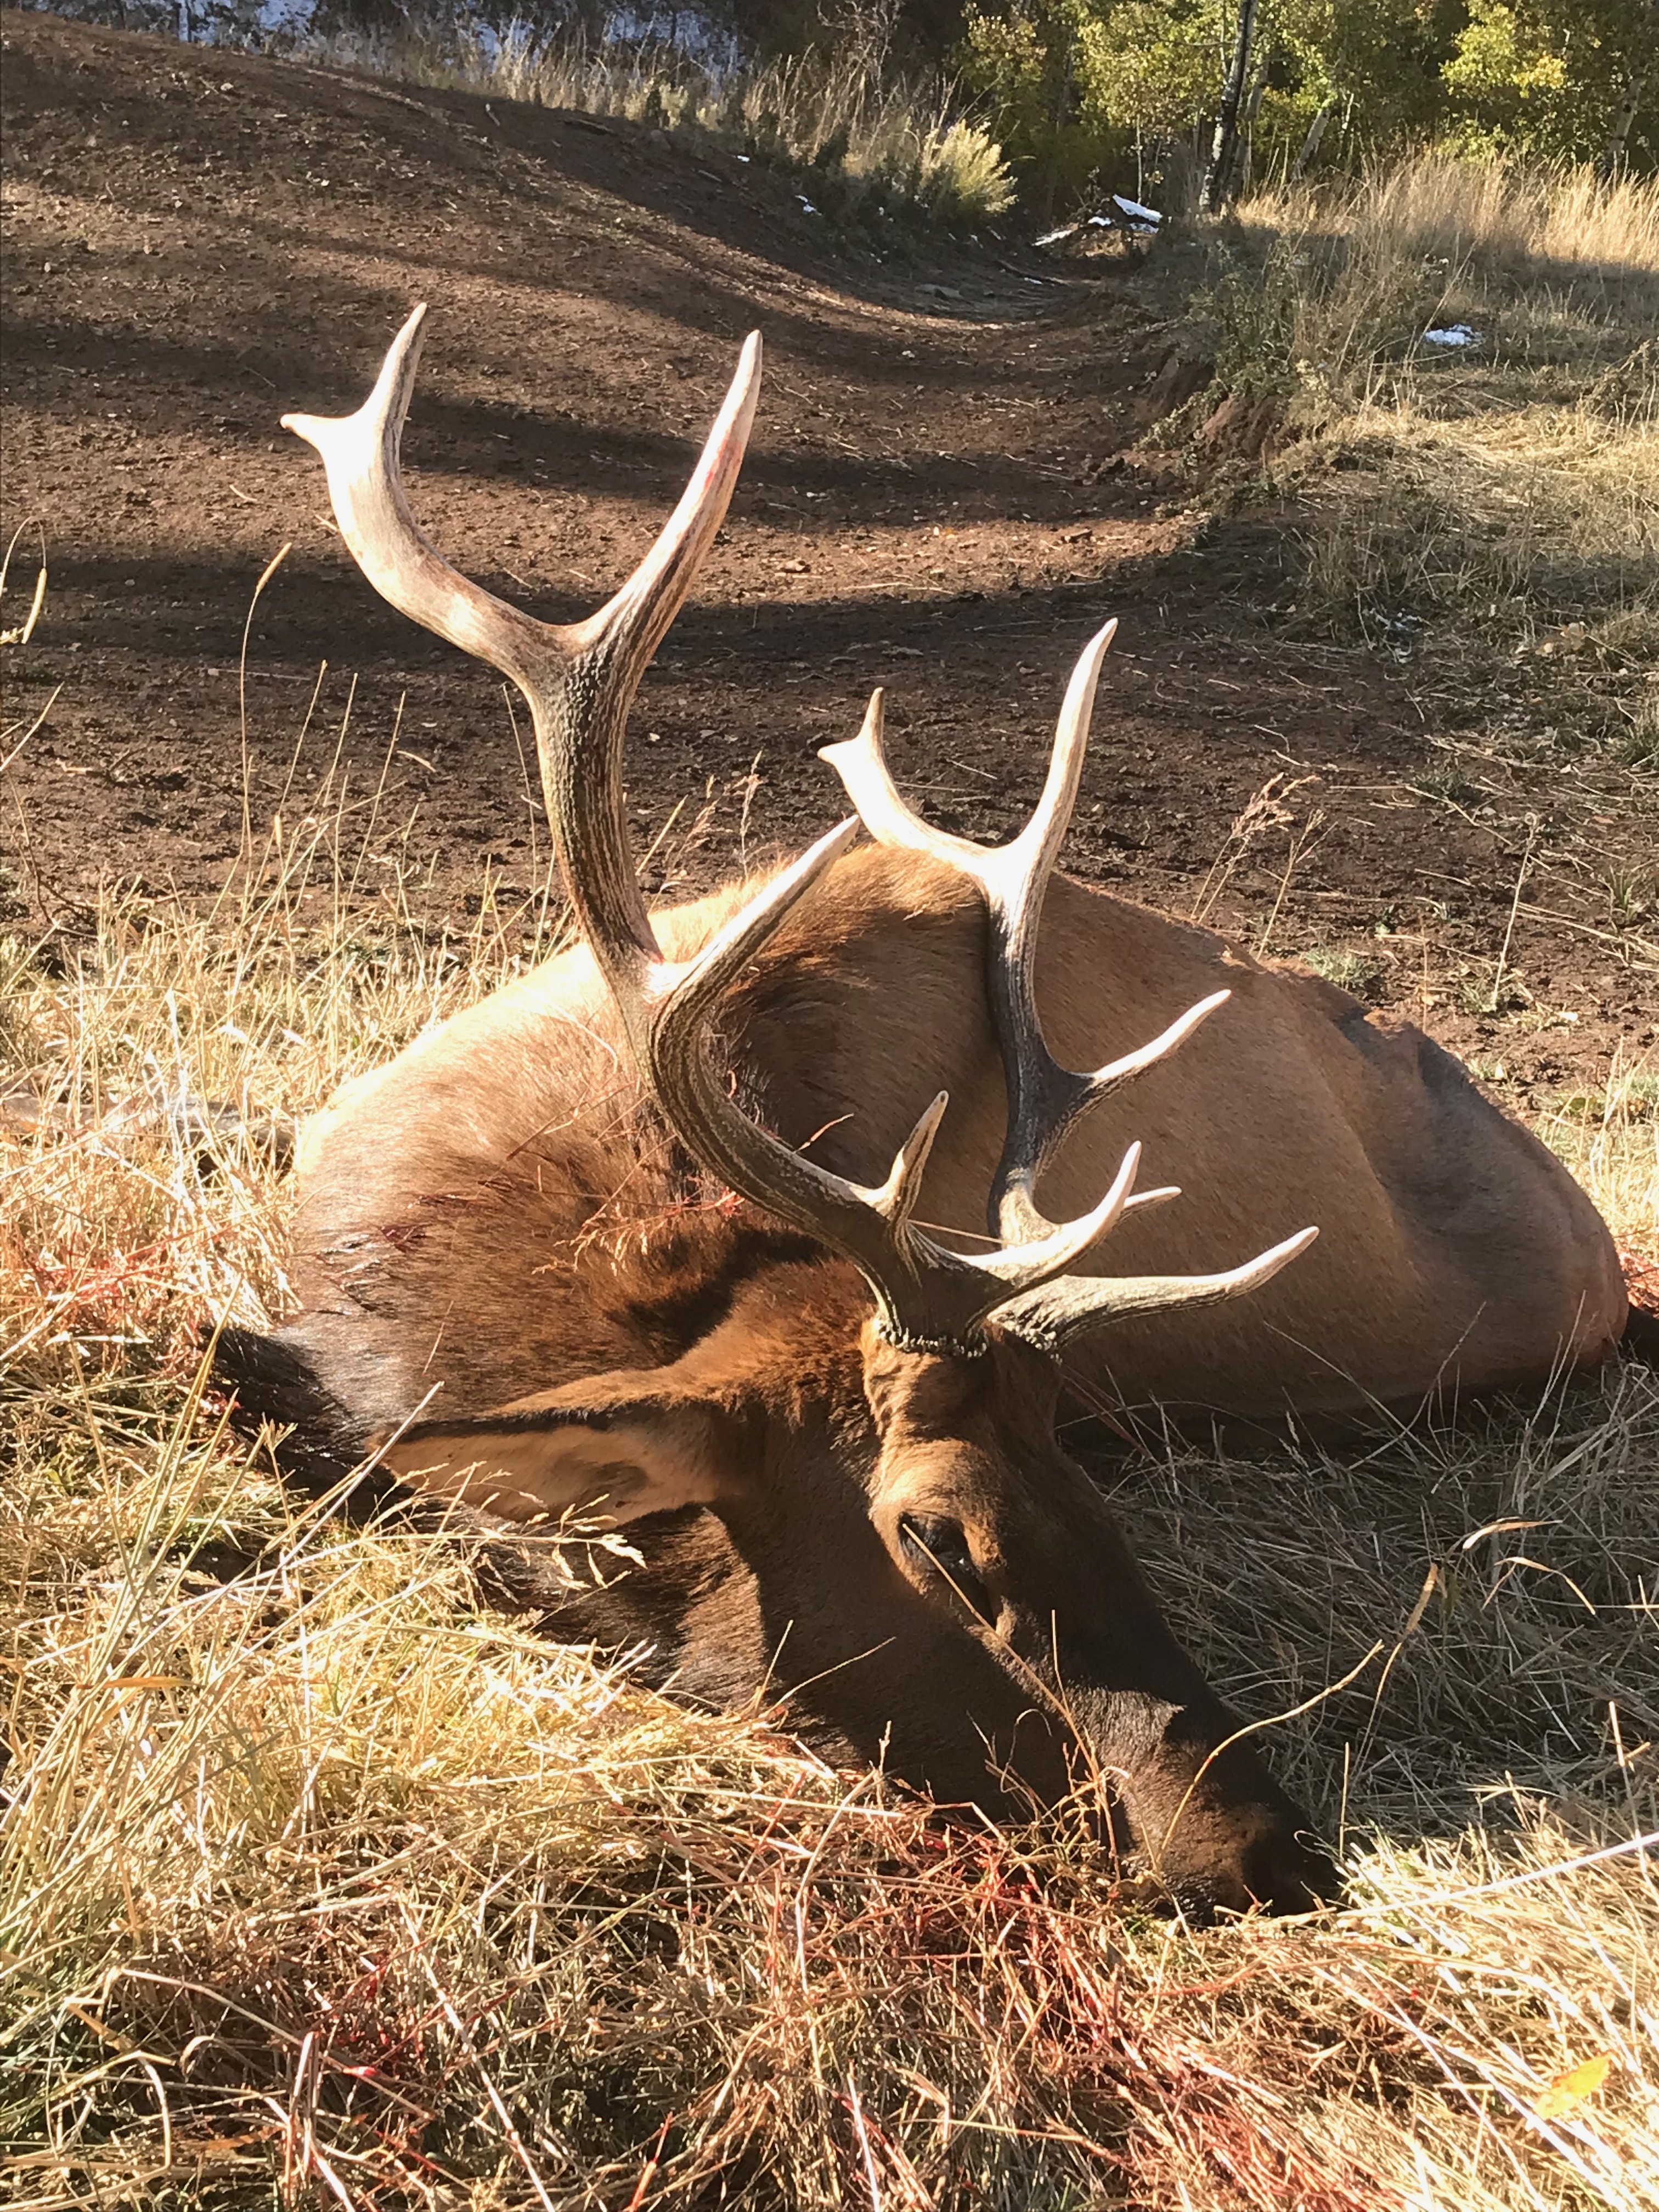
[1487, 218]
[866, 139]
[320, 1880]
[1559, 273]
[1505, 491]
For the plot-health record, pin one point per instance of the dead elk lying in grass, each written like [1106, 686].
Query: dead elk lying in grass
[829, 1427]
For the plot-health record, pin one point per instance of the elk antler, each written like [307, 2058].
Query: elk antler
[1044, 1097]
[580, 679]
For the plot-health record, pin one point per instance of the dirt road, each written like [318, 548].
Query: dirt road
[939, 498]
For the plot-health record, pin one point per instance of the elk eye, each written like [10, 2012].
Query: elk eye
[941, 1544]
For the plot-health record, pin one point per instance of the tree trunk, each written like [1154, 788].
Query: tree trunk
[1316, 131]
[1612, 156]
[1213, 197]
[1252, 109]
[1612, 159]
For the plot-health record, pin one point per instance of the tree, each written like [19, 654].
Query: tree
[1147, 68]
[1613, 153]
[1212, 196]
[1563, 77]
[1080, 87]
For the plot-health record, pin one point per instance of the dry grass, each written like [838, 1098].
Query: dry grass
[1559, 274]
[1502, 497]
[1485, 518]
[866, 140]
[321, 1881]
[1451, 231]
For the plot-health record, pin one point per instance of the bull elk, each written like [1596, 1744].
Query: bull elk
[676, 1230]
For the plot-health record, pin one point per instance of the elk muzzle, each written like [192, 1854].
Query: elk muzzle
[1210, 1827]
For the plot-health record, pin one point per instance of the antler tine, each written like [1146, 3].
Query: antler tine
[360, 453]
[1044, 1097]
[1054, 1312]
[861, 764]
[578, 678]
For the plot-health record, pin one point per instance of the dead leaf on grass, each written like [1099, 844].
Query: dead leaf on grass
[1568, 2090]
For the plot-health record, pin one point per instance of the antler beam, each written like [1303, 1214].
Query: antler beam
[580, 680]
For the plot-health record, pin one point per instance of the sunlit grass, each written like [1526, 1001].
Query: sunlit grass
[322, 1879]
[1491, 491]
[869, 139]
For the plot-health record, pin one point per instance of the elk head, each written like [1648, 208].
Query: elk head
[875, 1428]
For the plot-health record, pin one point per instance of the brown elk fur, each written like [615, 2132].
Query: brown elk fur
[496, 1224]
[1455, 1253]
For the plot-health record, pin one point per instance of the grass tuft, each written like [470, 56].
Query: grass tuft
[1501, 496]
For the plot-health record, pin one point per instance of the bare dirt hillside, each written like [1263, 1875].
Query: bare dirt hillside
[941, 497]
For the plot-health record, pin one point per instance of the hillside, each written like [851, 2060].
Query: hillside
[939, 497]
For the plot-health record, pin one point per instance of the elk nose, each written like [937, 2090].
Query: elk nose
[1284, 1874]
[1232, 1841]
[1272, 1871]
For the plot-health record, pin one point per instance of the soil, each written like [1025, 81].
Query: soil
[943, 494]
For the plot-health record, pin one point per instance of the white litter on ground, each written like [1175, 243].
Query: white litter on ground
[1125, 215]
[1454, 334]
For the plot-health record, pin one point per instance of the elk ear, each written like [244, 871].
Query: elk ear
[599, 1449]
